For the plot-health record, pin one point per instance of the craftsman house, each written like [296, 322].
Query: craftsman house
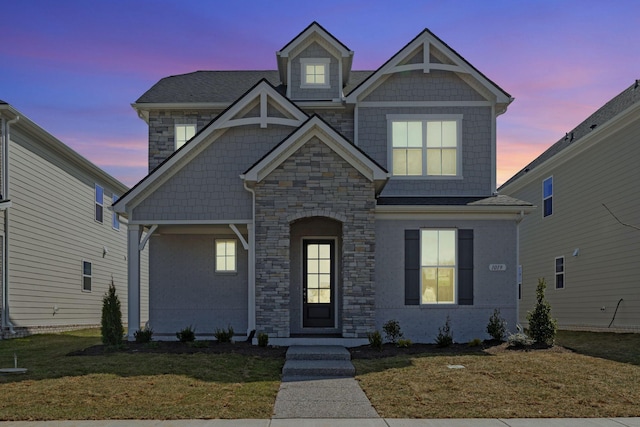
[60, 246]
[314, 202]
[584, 238]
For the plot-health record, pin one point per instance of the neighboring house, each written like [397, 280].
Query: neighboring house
[584, 238]
[61, 246]
[314, 203]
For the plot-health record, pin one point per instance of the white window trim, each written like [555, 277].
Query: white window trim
[455, 281]
[550, 197]
[315, 61]
[82, 275]
[425, 118]
[97, 203]
[556, 274]
[175, 133]
[235, 255]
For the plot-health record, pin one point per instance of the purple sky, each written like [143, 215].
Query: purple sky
[75, 66]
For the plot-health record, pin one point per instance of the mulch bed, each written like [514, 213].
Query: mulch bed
[244, 348]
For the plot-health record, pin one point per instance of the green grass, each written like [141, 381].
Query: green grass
[599, 380]
[131, 386]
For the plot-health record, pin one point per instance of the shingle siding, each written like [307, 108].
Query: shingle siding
[314, 50]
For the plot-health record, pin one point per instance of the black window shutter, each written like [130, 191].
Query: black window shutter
[412, 267]
[465, 267]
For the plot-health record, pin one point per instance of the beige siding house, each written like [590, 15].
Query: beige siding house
[61, 244]
[584, 238]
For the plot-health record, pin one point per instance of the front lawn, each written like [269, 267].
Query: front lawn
[131, 386]
[501, 383]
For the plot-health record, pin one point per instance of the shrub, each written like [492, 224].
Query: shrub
[444, 337]
[111, 324]
[224, 335]
[188, 334]
[263, 339]
[402, 343]
[392, 331]
[375, 340]
[143, 335]
[474, 342]
[199, 344]
[519, 339]
[542, 327]
[497, 326]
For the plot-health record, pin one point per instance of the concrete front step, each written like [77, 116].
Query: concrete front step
[318, 352]
[318, 368]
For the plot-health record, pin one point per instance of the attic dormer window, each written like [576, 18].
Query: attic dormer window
[315, 72]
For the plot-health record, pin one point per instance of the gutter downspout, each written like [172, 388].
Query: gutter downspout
[251, 291]
[6, 321]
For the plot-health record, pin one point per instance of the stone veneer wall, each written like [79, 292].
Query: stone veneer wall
[162, 129]
[315, 182]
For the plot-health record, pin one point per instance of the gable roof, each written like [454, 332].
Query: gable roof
[594, 122]
[460, 65]
[312, 31]
[262, 93]
[317, 127]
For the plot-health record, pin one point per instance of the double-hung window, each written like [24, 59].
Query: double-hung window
[438, 266]
[547, 196]
[559, 272]
[225, 256]
[315, 72]
[86, 276]
[99, 203]
[183, 133]
[427, 146]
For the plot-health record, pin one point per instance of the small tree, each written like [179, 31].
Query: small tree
[497, 326]
[542, 327]
[112, 329]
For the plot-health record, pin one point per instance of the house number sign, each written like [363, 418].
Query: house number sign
[497, 267]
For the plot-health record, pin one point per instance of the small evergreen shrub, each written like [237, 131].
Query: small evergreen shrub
[497, 326]
[375, 340]
[263, 339]
[143, 335]
[474, 342]
[402, 343]
[187, 334]
[519, 339]
[542, 327]
[224, 335]
[392, 331]
[111, 325]
[445, 337]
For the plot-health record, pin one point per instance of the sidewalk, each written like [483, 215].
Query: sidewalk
[328, 422]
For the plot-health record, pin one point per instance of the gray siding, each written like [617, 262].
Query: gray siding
[186, 291]
[494, 243]
[314, 50]
[606, 268]
[52, 229]
[476, 151]
[340, 119]
[162, 131]
[209, 187]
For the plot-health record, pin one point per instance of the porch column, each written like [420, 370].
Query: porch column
[134, 233]
[251, 302]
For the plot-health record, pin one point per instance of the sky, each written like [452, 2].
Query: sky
[75, 66]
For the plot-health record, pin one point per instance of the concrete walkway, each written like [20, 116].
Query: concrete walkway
[328, 422]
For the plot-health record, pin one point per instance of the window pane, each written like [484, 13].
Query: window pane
[445, 284]
[399, 134]
[559, 281]
[547, 187]
[414, 162]
[449, 162]
[99, 212]
[312, 266]
[559, 265]
[429, 285]
[324, 296]
[446, 247]
[189, 132]
[324, 281]
[324, 266]
[434, 134]
[86, 268]
[99, 194]
[220, 264]
[429, 249]
[324, 251]
[414, 134]
[434, 161]
[548, 206]
[86, 283]
[449, 134]
[312, 251]
[399, 161]
[312, 295]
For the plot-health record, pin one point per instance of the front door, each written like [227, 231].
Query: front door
[318, 288]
